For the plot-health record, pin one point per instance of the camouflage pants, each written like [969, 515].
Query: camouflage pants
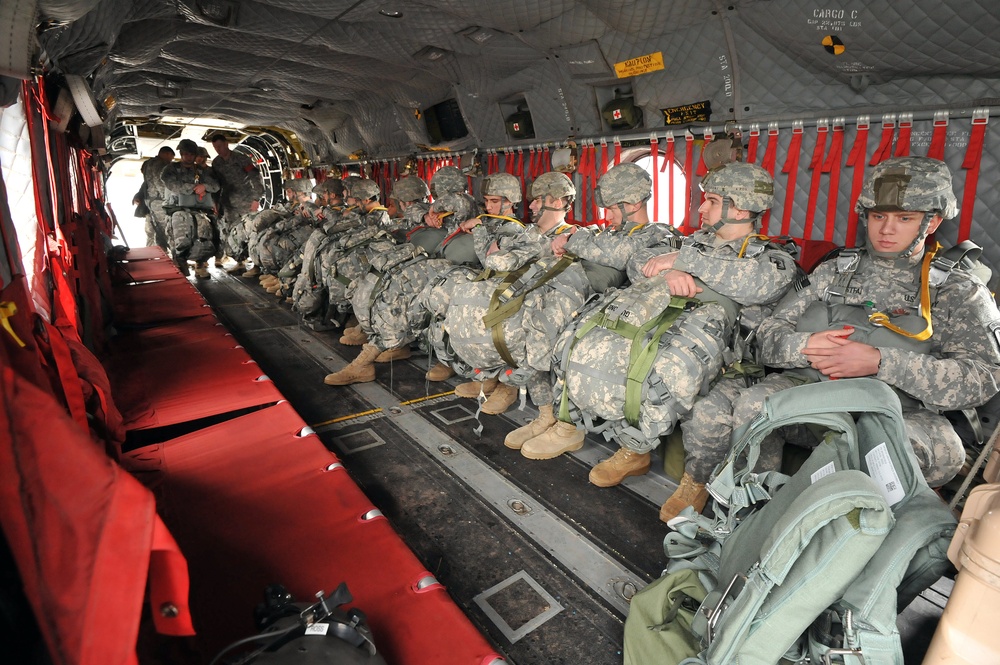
[157, 226]
[730, 405]
[232, 233]
[190, 237]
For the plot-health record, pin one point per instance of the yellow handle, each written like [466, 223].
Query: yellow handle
[880, 319]
[7, 310]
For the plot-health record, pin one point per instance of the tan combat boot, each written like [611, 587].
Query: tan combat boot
[553, 442]
[688, 493]
[471, 389]
[402, 353]
[274, 287]
[201, 270]
[440, 372]
[267, 280]
[253, 272]
[543, 422]
[361, 369]
[237, 269]
[500, 399]
[353, 336]
[618, 467]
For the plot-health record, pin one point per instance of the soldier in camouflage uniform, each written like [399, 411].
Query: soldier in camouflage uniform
[860, 315]
[152, 194]
[241, 192]
[272, 247]
[189, 191]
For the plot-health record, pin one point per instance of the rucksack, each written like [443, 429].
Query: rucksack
[814, 565]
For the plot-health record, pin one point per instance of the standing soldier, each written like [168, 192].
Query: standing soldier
[241, 191]
[152, 193]
[189, 202]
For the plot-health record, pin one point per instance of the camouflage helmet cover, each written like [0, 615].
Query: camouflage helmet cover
[554, 184]
[625, 183]
[448, 179]
[188, 146]
[456, 202]
[330, 186]
[917, 184]
[298, 185]
[503, 184]
[362, 188]
[749, 186]
[410, 189]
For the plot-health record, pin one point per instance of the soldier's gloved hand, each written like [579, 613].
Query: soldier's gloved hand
[658, 264]
[681, 284]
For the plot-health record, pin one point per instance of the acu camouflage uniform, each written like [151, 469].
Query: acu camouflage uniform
[241, 186]
[190, 228]
[349, 256]
[154, 193]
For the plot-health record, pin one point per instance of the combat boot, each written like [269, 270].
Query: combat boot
[273, 287]
[238, 269]
[500, 399]
[624, 463]
[471, 389]
[201, 270]
[543, 422]
[688, 493]
[402, 353]
[267, 280]
[253, 272]
[361, 369]
[353, 336]
[440, 372]
[553, 442]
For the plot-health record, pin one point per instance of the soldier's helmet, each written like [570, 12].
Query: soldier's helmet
[456, 202]
[918, 184]
[625, 183]
[410, 189]
[448, 179]
[188, 146]
[362, 188]
[298, 184]
[333, 186]
[554, 184]
[502, 184]
[748, 186]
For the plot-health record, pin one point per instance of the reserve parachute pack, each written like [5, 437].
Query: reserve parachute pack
[349, 258]
[511, 319]
[387, 301]
[808, 568]
[642, 354]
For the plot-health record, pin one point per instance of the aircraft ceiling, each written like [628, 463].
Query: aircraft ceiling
[349, 75]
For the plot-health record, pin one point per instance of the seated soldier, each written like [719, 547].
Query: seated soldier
[888, 310]
[634, 366]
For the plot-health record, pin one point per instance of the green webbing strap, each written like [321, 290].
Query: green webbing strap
[498, 313]
[642, 355]
[487, 273]
[343, 280]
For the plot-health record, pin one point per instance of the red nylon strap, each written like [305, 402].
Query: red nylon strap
[903, 139]
[936, 149]
[791, 167]
[72, 388]
[598, 214]
[447, 238]
[654, 154]
[618, 152]
[520, 167]
[768, 163]
[604, 157]
[816, 166]
[548, 161]
[702, 167]
[752, 144]
[884, 149]
[668, 163]
[531, 161]
[856, 160]
[832, 166]
[686, 226]
[972, 163]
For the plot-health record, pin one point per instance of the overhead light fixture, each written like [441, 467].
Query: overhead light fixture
[432, 53]
[477, 34]
[390, 13]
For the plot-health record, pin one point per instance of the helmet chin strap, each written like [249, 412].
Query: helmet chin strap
[725, 218]
[541, 211]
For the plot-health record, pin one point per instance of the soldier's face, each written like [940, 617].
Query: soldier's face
[613, 217]
[494, 205]
[187, 158]
[554, 207]
[710, 210]
[221, 147]
[895, 231]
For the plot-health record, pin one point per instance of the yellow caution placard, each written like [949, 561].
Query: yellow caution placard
[642, 65]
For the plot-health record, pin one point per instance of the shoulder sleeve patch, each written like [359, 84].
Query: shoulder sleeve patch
[778, 262]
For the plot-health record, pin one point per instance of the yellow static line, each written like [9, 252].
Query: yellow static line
[372, 412]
